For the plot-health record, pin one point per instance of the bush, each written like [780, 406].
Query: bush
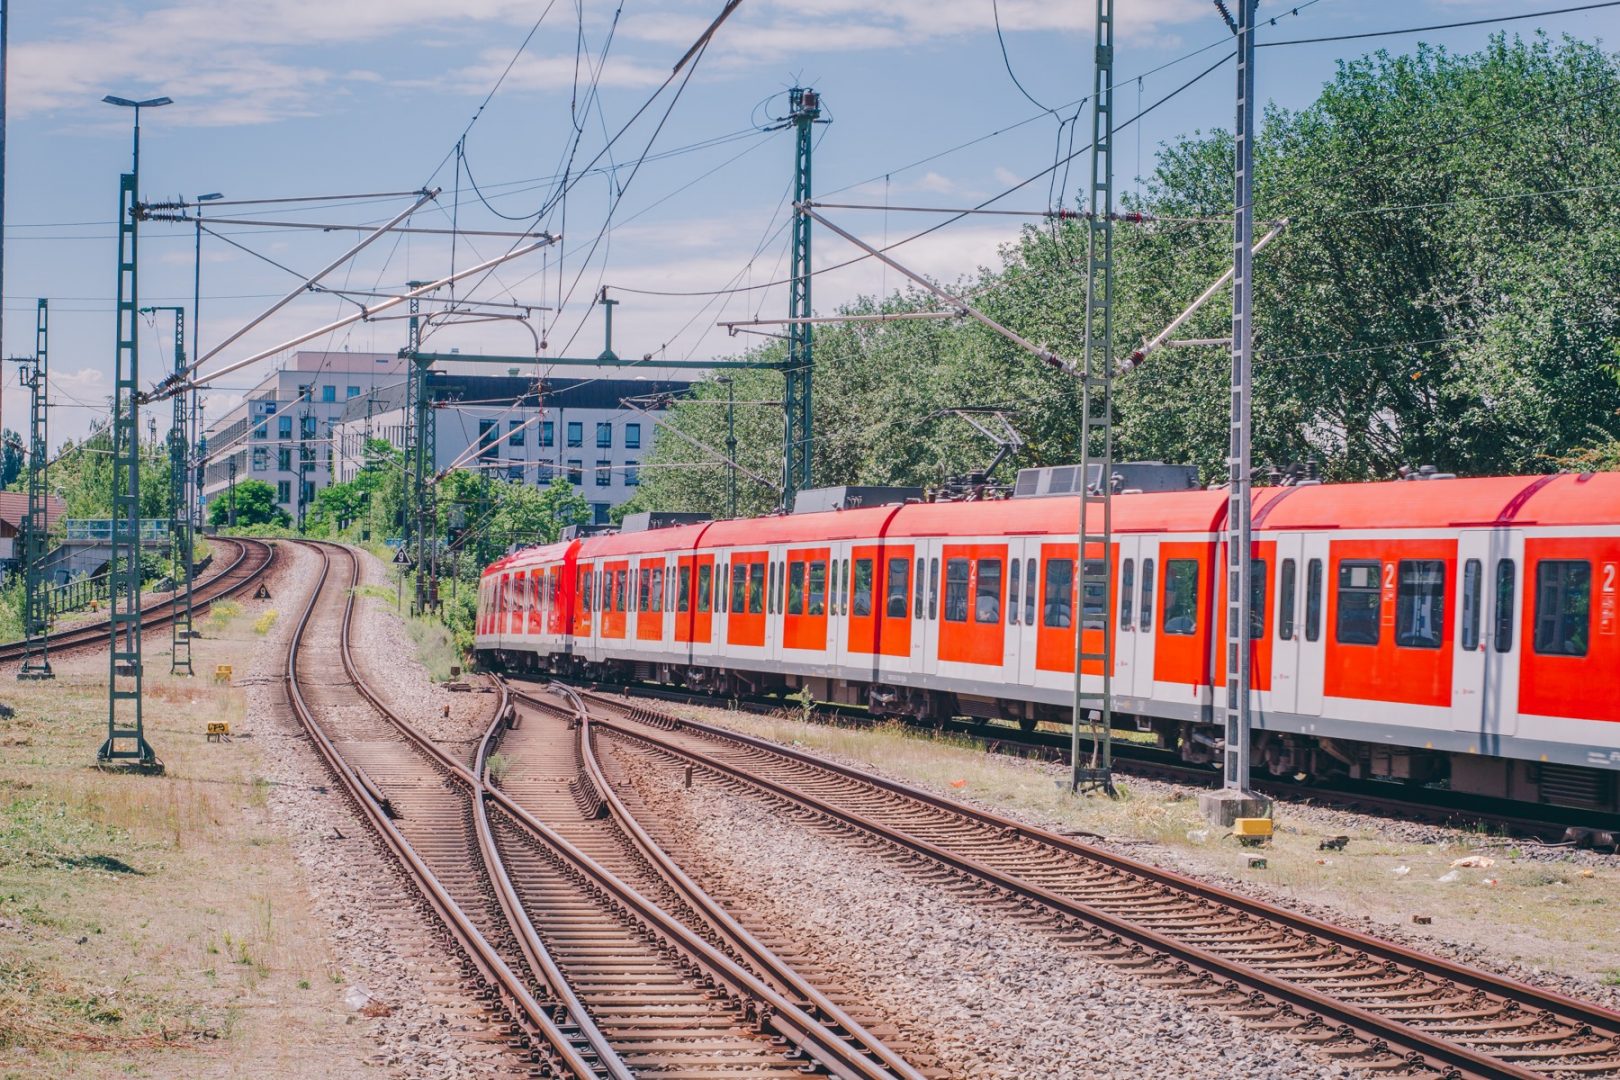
[263, 623]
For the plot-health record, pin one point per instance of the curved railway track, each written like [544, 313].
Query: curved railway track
[1375, 1004]
[252, 559]
[593, 978]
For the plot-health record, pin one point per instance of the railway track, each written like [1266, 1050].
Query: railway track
[1370, 1002]
[1548, 825]
[591, 977]
[252, 559]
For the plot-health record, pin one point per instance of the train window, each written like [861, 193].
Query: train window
[657, 590]
[1127, 590]
[843, 592]
[1094, 605]
[1313, 600]
[1286, 580]
[1257, 599]
[795, 587]
[897, 588]
[1473, 580]
[1029, 592]
[683, 589]
[1503, 629]
[756, 588]
[1420, 603]
[1181, 596]
[739, 588]
[1059, 593]
[644, 594]
[772, 605]
[933, 588]
[1361, 602]
[1145, 621]
[987, 597]
[817, 600]
[956, 590]
[1563, 606]
[863, 587]
[705, 586]
[917, 594]
[1012, 593]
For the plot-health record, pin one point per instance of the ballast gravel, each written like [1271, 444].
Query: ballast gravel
[424, 1022]
[992, 999]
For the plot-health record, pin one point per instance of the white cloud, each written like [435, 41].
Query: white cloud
[1005, 176]
[550, 73]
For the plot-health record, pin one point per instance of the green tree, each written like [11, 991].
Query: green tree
[368, 505]
[12, 453]
[255, 505]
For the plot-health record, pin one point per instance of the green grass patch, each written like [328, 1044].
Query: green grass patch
[263, 623]
[221, 613]
[36, 834]
[435, 647]
[1610, 977]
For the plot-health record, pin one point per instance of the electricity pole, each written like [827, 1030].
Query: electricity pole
[1094, 577]
[36, 524]
[180, 539]
[1234, 799]
[126, 734]
[731, 445]
[804, 110]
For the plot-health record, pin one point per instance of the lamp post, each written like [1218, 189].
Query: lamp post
[126, 735]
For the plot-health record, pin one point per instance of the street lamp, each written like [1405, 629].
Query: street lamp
[149, 103]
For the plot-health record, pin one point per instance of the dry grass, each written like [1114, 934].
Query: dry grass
[1554, 915]
[152, 926]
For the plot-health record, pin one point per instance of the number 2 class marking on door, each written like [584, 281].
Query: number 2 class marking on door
[1607, 618]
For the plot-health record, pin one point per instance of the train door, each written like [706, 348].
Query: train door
[1485, 671]
[1311, 635]
[924, 609]
[703, 598]
[1286, 626]
[1127, 568]
[1023, 602]
[1147, 575]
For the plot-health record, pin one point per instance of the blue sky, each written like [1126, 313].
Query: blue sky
[299, 97]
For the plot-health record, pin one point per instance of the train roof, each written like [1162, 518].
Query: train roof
[1482, 502]
[542, 553]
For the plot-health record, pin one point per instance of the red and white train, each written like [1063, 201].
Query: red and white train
[1456, 629]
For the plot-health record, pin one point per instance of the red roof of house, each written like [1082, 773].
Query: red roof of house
[14, 507]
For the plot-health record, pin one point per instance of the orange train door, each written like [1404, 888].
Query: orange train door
[584, 599]
[974, 587]
[746, 623]
[1181, 649]
[703, 599]
[894, 614]
[1054, 641]
[865, 601]
[805, 600]
[615, 597]
[537, 595]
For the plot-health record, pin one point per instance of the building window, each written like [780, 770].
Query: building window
[284, 459]
[261, 458]
[328, 393]
[548, 432]
[261, 431]
[599, 513]
[514, 472]
[284, 427]
[514, 433]
[487, 438]
[308, 427]
[604, 436]
[576, 433]
[632, 473]
[283, 491]
[576, 471]
[1563, 606]
[354, 392]
[632, 436]
[604, 472]
[303, 392]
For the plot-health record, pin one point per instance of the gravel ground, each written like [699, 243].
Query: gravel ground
[386, 656]
[1209, 862]
[430, 1026]
[993, 999]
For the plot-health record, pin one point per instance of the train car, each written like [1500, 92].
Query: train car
[1446, 630]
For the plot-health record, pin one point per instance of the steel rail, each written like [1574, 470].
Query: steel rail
[492, 969]
[757, 953]
[772, 1009]
[163, 612]
[1370, 1025]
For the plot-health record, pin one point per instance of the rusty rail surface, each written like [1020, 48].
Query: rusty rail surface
[1376, 1003]
[253, 559]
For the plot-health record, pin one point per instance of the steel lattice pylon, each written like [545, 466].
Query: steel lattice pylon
[804, 109]
[36, 522]
[1094, 573]
[126, 734]
[180, 526]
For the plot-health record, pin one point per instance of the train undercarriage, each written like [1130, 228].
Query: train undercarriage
[1303, 758]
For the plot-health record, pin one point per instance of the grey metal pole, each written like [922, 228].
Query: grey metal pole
[1239, 564]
